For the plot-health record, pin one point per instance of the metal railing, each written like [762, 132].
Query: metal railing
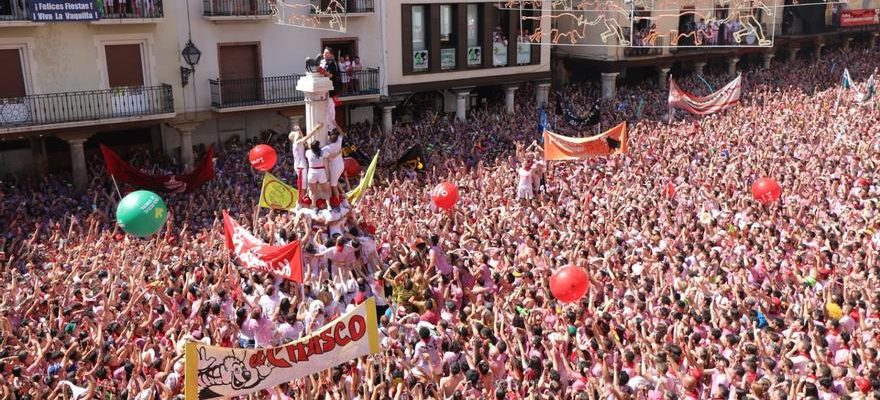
[640, 47]
[237, 8]
[228, 93]
[56, 108]
[14, 10]
[349, 6]
[128, 9]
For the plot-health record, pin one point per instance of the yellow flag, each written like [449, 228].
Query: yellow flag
[277, 194]
[355, 194]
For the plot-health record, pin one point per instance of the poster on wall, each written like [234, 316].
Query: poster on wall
[63, 10]
[420, 60]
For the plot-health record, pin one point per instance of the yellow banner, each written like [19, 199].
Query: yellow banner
[214, 372]
[358, 192]
[276, 194]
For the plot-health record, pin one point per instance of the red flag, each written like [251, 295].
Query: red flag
[126, 173]
[284, 261]
[724, 98]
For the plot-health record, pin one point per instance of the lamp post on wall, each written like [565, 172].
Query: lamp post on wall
[191, 55]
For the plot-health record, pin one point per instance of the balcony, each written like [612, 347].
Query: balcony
[238, 10]
[93, 107]
[278, 91]
[644, 48]
[14, 13]
[130, 12]
[349, 7]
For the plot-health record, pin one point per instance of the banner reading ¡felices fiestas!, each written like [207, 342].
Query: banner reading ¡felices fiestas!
[214, 372]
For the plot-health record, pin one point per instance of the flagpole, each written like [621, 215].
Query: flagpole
[116, 186]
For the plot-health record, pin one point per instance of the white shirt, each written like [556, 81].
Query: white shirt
[315, 161]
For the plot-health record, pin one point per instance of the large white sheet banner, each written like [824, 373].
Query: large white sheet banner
[214, 372]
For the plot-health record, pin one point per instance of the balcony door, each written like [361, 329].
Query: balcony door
[125, 65]
[12, 78]
[240, 73]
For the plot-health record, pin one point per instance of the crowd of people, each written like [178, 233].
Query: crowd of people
[697, 291]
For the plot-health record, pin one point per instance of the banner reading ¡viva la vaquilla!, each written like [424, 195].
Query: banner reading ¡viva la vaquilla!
[213, 372]
[63, 10]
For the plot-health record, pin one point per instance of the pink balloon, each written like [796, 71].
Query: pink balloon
[445, 195]
[262, 157]
[766, 190]
[569, 284]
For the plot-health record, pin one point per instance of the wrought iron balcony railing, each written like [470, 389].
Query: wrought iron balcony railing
[644, 46]
[338, 6]
[131, 9]
[238, 8]
[91, 105]
[13, 10]
[229, 93]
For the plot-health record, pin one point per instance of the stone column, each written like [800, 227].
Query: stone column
[186, 146]
[663, 77]
[316, 88]
[792, 54]
[731, 66]
[509, 98]
[699, 66]
[78, 164]
[846, 43]
[542, 93]
[41, 160]
[609, 84]
[819, 51]
[461, 99]
[387, 120]
[768, 58]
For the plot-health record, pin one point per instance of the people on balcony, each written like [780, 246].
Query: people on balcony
[498, 35]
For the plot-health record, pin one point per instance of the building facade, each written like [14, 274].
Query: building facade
[173, 75]
[647, 37]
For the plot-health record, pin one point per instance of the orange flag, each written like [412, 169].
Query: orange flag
[558, 147]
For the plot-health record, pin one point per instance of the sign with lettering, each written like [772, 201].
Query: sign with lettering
[860, 17]
[63, 10]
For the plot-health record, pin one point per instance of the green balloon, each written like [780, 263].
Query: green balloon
[141, 213]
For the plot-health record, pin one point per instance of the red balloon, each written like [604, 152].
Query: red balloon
[444, 195]
[766, 190]
[262, 157]
[352, 167]
[569, 284]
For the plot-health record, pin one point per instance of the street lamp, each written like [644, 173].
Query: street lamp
[191, 54]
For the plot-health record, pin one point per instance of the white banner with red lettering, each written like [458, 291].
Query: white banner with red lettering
[213, 372]
[724, 98]
[284, 261]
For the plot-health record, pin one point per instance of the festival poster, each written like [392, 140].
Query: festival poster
[214, 372]
[558, 147]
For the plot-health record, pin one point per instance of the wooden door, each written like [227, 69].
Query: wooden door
[240, 73]
[12, 78]
[124, 65]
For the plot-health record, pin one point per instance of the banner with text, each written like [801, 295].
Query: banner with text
[63, 10]
[724, 98]
[284, 261]
[558, 147]
[860, 17]
[213, 372]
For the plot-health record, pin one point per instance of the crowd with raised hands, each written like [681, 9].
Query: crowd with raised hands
[697, 291]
